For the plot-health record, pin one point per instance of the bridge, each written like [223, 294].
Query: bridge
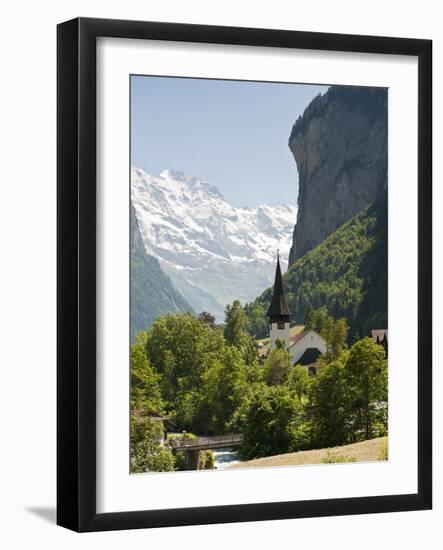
[204, 443]
[192, 447]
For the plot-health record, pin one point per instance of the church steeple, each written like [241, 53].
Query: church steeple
[278, 312]
[279, 309]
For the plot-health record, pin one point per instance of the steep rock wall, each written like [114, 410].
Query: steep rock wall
[340, 147]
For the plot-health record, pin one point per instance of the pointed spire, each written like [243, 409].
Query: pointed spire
[279, 307]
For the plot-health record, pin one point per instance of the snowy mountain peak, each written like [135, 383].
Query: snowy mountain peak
[213, 251]
[173, 174]
[194, 183]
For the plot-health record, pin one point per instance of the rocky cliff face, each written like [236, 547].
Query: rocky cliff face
[340, 147]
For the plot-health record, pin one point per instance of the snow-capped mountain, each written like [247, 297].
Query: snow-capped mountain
[213, 252]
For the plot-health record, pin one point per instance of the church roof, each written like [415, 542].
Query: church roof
[279, 306]
[297, 337]
[309, 357]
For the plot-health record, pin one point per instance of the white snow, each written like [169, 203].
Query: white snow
[204, 243]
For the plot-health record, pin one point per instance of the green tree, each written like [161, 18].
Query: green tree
[299, 382]
[186, 408]
[182, 349]
[236, 323]
[224, 387]
[236, 332]
[277, 366]
[145, 382]
[271, 421]
[320, 320]
[309, 318]
[178, 347]
[327, 410]
[335, 332]
[147, 453]
[258, 323]
[280, 343]
[366, 382]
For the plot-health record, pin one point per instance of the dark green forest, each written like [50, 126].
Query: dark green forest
[346, 273]
[152, 292]
[370, 101]
[150, 285]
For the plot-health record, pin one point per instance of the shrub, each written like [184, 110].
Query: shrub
[147, 452]
[271, 422]
[383, 453]
[207, 460]
[331, 458]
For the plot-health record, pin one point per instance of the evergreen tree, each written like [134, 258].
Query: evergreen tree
[236, 324]
[258, 323]
[236, 332]
[321, 320]
[309, 318]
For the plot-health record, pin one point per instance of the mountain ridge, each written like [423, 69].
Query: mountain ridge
[212, 251]
[152, 292]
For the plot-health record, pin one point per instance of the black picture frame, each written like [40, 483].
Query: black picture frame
[76, 273]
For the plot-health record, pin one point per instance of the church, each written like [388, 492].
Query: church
[304, 346]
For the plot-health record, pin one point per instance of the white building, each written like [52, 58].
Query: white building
[305, 347]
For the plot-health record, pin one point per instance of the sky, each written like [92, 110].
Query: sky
[233, 134]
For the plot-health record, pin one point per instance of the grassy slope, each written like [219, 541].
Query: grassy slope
[365, 451]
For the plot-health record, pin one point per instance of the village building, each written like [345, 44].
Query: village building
[305, 346]
[380, 337]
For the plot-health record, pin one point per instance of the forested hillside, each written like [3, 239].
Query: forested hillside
[347, 273]
[152, 292]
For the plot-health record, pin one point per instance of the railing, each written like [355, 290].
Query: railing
[208, 442]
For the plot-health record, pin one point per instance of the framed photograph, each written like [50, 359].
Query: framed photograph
[244, 274]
